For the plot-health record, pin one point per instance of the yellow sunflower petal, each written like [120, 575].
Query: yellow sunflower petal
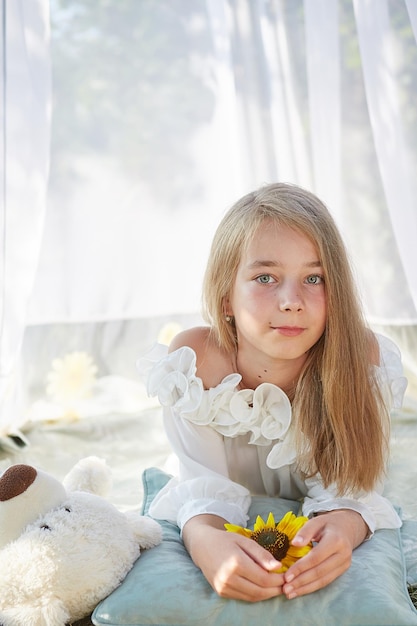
[291, 524]
[233, 528]
[270, 522]
[298, 552]
[259, 524]
[297, 525]
[286, 563]
[286, 521]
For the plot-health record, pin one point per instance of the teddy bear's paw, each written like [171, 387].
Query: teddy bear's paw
[90, 474]
[146, 530]
[49, 614]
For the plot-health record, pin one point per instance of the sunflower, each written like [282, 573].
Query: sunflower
[276, 538]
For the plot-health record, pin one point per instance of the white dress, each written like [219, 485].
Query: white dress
[232, 444]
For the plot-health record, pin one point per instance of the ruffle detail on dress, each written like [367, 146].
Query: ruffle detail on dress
[265, 412]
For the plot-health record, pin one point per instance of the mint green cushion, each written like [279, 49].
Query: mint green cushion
[409, 543]
[165, 587]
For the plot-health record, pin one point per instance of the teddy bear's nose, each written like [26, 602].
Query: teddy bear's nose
[16, 480]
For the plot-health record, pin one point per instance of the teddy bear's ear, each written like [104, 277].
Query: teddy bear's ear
[146, 530]
[90, 474]
[25, 494]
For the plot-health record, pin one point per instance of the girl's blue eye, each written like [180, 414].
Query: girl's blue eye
[314, 279]
[264, 279]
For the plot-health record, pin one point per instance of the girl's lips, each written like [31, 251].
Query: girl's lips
[290, 331]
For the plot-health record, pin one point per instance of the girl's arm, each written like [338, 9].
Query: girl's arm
[375, 510]
[203, 486]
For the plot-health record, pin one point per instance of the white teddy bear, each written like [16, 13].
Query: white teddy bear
[63, 547]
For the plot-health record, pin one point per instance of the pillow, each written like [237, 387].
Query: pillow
[165, 587]
[409, 544]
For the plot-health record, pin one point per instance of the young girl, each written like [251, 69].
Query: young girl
[286, 393]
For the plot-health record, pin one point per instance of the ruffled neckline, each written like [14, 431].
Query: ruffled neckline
[263, 413]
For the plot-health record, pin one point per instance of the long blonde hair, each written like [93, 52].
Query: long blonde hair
[340, 421]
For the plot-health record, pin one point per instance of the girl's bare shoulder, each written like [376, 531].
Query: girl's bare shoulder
[213, 364]
[195, 338]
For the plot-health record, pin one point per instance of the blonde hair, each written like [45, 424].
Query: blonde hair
[339, 418]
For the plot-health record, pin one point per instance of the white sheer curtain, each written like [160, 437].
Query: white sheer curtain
[25, 112]
[323, 75]
[166, 111]
[396, 161]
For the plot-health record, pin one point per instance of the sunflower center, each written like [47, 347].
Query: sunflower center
[273, 540]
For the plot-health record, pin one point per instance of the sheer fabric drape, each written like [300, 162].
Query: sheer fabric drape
[396, 160]
[24, 145]
[165, 112]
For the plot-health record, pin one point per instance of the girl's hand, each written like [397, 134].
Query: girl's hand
[235, 566]
[337, 533]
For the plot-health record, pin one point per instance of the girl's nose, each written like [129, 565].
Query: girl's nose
[289, 298]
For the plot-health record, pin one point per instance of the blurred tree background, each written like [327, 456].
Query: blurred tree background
[129, 81]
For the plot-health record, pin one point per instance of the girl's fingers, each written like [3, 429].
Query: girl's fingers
[315, 578]
[323, 564]
[250, 576]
